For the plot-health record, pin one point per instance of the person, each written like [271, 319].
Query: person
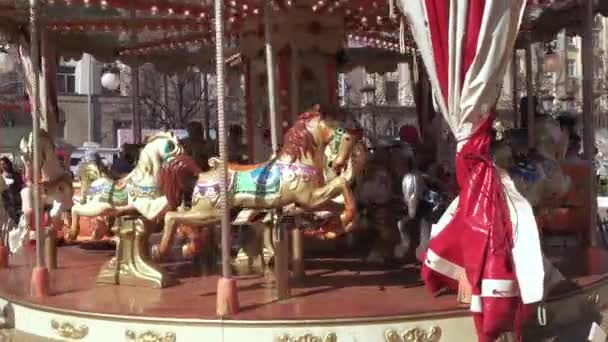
[267, 151]
[63, 159]
[523, 109]
[11, 198]
[195, 145]
[574, 148]
[121, 165]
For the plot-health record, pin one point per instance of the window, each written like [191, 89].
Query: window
[66, 80]
[392, 91]
[571, 67]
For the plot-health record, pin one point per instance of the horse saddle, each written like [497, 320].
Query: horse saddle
[527, 171]
[263, 180]
[120, 185]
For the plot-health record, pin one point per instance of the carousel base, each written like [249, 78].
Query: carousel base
[338, 301]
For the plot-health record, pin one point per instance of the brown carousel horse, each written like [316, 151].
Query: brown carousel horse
[294, 176]
[332, 220]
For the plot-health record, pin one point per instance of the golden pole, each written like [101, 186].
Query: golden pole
[40, 280]
[281, 265]
[136, 116]
[531, 111]
[514, 89]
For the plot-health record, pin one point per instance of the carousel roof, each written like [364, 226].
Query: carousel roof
[544, 19]
[183, 28]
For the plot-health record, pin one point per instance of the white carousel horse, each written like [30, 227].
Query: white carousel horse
[56, 189]
[138, 192]
[56, 182]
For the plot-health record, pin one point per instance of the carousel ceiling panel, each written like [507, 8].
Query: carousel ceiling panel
[102, 27]
[374, 60]
[543, 20]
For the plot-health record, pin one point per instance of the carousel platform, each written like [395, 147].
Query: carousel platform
[339, 300]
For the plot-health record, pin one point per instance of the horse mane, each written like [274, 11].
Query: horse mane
[173, 178]
[145, 161]
[159, 135]
[299, 140]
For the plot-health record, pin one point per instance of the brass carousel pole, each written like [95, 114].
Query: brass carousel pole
[136, 118]
[531, 111]
[514, 88]
[40, 276]
[588, 115]
[227, 297]
[281, 266]
[297, 238]
[50, 234]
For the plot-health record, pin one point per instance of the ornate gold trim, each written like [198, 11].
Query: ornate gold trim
[413, 335]
[278, 323]
[330, 337]
[150, 336]
[68, 330]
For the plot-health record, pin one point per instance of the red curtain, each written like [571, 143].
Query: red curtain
[478, 237]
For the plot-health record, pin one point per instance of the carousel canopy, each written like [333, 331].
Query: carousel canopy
[374, 60]
[182, 28]
[544, 19]
[149, 30]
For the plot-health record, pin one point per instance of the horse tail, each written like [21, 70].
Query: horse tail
[173, 178]
[214, 163]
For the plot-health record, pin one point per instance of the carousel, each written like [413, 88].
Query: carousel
[339, 241]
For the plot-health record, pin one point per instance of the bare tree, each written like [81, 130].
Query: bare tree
[172, 101]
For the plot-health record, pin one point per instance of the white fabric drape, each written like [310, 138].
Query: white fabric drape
[472, 98]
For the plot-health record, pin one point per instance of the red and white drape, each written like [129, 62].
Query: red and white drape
[489, 232]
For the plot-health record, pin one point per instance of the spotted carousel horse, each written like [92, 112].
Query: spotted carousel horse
[56, 188]
[294, 176]
[136, 193]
